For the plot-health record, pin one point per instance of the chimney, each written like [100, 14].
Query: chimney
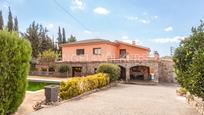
[156, 55]
[133, 43]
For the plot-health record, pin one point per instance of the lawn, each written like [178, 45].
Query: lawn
[34, 86]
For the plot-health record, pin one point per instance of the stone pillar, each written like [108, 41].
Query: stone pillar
[156, 75]
[127, 74]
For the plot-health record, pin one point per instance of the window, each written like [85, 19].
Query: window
[97, 51]
[80, 51]
[123, 53]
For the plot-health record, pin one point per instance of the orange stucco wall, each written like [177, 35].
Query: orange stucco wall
[133, 52]
[107, 51]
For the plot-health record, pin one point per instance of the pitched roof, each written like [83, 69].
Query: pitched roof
[133, 45]
[116, 42]
[86, 41]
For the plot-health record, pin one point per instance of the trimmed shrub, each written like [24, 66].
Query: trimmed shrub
[111, 69]
[78, 85]
[62, 68]
[15, 54]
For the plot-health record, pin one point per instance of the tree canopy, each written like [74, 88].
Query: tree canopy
[72, 39]
[1, 21]
[188, 58]
[15, 24]
[10, 21]
[39, 39]
[63, 36]
[60, 40]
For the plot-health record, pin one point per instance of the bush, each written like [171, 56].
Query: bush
[62, 68]
[181, 91]
[48, 57]
[15, 54]
[111, 69]
[78, 85]
[188, 59]
[43, 69]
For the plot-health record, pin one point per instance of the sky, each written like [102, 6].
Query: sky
[158, 24]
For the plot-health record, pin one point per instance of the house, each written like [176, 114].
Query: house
[134, 60]
[101, 50]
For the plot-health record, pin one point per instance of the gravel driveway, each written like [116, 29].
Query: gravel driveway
[126, 100]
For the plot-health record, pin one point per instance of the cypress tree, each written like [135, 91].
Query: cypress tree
[59, 36]
[16, 24]
[63, 35]
[10, 21]
[1, 21]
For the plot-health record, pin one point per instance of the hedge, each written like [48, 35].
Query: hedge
[15, 55]
[111, 69]
[78, 85]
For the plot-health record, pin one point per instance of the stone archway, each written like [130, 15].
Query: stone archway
[139, 73]
[122, 73]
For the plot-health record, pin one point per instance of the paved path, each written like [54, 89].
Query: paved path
[126, 100]
[31, 98]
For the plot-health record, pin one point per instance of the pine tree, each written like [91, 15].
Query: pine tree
[59, 36]
[1, 21]
[72, 39]
[39, 39]
[16, 24]
[10, 21]
[63, 35]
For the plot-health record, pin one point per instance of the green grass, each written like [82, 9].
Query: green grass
[34, 86]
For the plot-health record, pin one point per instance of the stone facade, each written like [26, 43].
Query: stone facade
[166, 71]
[159, 70]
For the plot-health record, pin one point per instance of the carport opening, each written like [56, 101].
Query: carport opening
[140, 73]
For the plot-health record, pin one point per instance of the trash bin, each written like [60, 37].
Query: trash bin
[51, 93]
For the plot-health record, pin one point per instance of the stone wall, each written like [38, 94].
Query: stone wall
[161, 69]
[87, 67]
[166, 71]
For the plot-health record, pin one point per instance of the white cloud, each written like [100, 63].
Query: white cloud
[168, 29]
[50, 26]
[135, 18]
[101, 11]
[145, 13]
[144, 21]
[131, 18]
[5, 6]
[175, 39]
[87, 32]
[125, 37]
[78, 4]
[127, 40]
[155, 17]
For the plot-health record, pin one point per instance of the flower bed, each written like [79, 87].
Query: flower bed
[78, 85]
